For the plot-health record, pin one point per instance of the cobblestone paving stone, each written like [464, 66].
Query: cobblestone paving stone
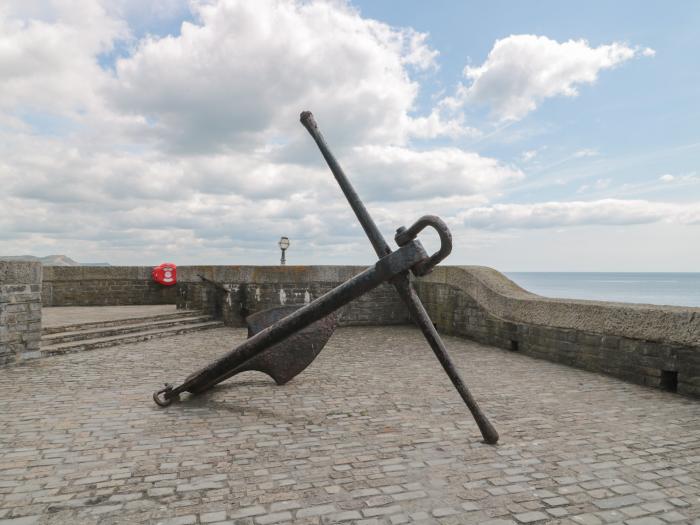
[372, 432]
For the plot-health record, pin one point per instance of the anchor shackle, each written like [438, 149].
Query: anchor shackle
[405, 235]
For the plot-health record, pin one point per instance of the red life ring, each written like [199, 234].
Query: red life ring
[165, 274]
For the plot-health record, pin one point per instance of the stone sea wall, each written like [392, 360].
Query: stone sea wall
[653, 345]
[103, 286]
[233, 292]
[20, 310]
[658, 346]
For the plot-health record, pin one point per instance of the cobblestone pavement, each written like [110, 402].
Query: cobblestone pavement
[52, 316]
[372, 432]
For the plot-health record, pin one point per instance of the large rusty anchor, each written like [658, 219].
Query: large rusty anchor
[304, 331]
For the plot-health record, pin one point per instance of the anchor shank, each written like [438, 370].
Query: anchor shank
[375, 236]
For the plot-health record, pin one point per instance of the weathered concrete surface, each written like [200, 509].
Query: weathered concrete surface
[54, 316]
[20, 310]
[370, 431]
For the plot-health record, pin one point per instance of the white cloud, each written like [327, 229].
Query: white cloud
[48, 55]
[190, 147]
[599, 184]
[586, 152]
[577, 213]
[527, 156]
[396, 173]
[435, 125]
[683, 178]
[242, 73]
[523, 70]
[71, 197]
[197, 134]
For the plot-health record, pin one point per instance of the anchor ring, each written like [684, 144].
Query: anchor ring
[403, 236]
[166, 400]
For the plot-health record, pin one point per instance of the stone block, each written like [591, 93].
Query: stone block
[688, 389]
[20, 272]
[20, 309]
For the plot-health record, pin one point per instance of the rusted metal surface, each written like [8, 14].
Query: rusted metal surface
[287, 346]
[289, 358]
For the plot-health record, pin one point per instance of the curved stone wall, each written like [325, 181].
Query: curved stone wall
[653, 345]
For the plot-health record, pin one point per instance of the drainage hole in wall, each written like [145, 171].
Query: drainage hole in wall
[669, 380]
[514, 345]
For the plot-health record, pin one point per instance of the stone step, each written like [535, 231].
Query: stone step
[135, 337]
[119, 322]
[108, 331]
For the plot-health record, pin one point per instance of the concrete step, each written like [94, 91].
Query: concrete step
[108, 331]
[134, 337]
[119, 322]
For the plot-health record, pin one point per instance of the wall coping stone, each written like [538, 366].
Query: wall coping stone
[504, 299]
[268, 274]
[222, 273]
[87, 273]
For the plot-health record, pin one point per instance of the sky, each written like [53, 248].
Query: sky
[549, 137]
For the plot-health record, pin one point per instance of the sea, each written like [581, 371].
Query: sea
[677, 289]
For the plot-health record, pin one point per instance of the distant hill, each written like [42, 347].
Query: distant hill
[50, 260]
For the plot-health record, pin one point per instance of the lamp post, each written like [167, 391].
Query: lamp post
[283, 244]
